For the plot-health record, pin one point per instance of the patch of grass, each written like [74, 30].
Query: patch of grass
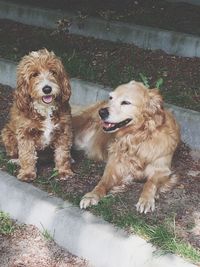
[46, 234]
[5, 164]
[6, 224]
[54, 185]
[163, 238]
[104, 208]
[73, 198]
[11, 168]
[54, 173]
[3, 159]
[160, 235]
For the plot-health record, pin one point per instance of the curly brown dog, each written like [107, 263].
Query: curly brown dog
[40, 115]
[137, 138]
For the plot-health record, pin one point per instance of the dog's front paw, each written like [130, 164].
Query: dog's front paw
[145, 205]
[64, 175]
[88, 200]
[26, 176]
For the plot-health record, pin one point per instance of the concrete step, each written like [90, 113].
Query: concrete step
[175, 43]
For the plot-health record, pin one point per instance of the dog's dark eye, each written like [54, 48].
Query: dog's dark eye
[125, 103]
[34, 74]
[110, 98]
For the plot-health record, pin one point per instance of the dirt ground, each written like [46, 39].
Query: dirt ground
[28, 247]
[181, 205]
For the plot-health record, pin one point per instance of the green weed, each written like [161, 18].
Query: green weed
[46, 234]
[54, 173]
[159, 83]
[145, 80]
[3, 159]
[6, 224]
[11, 168]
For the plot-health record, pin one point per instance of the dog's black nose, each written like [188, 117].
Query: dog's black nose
[103, 113]
[47, 89]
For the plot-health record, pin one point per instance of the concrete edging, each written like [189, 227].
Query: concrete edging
[191, 2]
[78, 231]
[145, 37]
[85, 93]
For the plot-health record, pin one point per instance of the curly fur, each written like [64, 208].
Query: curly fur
[35, 124]
[142, 148]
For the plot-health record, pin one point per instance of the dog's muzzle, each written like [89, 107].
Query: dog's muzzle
[110, 126]
[47, 98]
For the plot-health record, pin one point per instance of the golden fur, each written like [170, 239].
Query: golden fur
[40, 115]
[135, 136]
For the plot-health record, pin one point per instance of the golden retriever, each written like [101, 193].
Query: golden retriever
[40, 116]
[136, 137]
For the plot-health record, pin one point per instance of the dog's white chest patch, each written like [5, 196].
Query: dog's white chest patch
[48, 128]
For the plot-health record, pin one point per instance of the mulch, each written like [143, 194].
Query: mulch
[108, 63]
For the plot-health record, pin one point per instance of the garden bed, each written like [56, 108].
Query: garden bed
[174, 226]
[179, 17]
[108, 63]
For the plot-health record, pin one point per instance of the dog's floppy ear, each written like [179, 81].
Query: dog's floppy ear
[65, 86]
[155, 102]
[154, 107]
[22, 97]
[66, 90]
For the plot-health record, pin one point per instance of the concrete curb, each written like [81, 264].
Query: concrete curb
[79, 231]
[145, 37]
[191, 2]
[85, 93]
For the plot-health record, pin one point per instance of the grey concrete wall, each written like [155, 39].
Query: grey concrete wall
[84, 93]
[30, 15]
[189, 121]
[8, 72]
[144, 37]
[193, 2]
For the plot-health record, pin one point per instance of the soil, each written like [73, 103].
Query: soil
[180, 17]
[108, 63]
[181, 206]
[26, 246]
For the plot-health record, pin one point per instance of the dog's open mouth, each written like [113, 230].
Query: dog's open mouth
[108, 126]
[47, 99]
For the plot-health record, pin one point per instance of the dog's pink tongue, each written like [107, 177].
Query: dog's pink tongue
[47, 99]
[108, 124]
